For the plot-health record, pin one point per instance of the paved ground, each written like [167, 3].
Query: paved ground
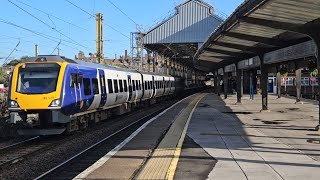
[223, 141]
[129, 161]
[248, 145]
[194, 163]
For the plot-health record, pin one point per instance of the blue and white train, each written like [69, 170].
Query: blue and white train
[53, 94]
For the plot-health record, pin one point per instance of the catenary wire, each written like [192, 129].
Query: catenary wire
[37, 33]
[94, 16]
[80, 8]
[11, 52]
[56, 47]
[122, 12]
[51, 15]
[47, 24]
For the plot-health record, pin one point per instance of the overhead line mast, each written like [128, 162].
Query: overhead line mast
[99, 37]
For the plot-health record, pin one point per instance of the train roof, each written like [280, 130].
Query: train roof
[55, 58]
[155, 74]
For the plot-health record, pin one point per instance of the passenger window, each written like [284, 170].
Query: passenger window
[116, 89]
[110, 86]
[125, 86]
[137, 85]
[87, 87]
[133, 86]
[95, 86]
[145, 85]
[121, 85]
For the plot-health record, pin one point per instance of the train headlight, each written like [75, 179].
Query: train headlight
[55, 103]
[13, 104]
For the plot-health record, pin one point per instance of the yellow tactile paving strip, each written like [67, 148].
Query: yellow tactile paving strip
[158, 164]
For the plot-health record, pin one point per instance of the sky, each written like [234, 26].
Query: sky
[70, 24]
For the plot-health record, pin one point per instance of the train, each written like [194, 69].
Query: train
[309, 85]
[51, 95]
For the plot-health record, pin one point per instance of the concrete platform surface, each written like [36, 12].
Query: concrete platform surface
[252, 145]
[223, 141]
[129, 161]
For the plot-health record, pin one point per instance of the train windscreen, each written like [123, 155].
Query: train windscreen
[40, 78]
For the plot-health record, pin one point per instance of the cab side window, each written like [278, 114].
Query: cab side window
[75, 80]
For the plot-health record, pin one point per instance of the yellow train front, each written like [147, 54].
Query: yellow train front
[35, 95]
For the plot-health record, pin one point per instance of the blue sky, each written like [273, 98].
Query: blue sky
[55, 20]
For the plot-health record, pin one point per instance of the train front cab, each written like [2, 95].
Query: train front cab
[35, 93]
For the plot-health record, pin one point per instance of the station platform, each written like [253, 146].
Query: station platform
[207, 137]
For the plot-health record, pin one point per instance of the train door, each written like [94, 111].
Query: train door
[164, 85]
[142, 86]
[129, 87]
[153, 88]
[75, 84]
[103, 89]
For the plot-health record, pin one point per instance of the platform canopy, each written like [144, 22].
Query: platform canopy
[179, 36]
[257, 27]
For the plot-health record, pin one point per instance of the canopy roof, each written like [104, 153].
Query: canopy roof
[179, 36]
[258, 27]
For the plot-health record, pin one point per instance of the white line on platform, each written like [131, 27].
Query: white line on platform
[106, 157]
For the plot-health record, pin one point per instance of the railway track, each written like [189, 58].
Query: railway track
[18, 143]
[13, 153]
[84, 159]
[69, 165]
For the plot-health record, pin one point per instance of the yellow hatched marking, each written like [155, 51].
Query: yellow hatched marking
[174, 163]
